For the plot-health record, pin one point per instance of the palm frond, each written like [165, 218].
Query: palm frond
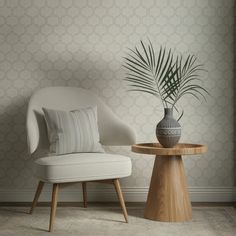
[142, 90]
[136, 71]
[152, 54]
[141, 78]
[163, 75]
[135, 62]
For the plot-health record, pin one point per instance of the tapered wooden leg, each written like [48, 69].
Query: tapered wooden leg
[121, 198]
[84, 194]
[53, 206]
[36, 196]
[168, 198]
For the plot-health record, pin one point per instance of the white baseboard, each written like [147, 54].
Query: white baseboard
[131, 194]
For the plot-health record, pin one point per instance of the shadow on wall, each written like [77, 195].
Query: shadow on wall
[81, 70]
[13, 152]
[16, 166]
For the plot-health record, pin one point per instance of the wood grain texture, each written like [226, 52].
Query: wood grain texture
[121, 198]
[56, 186]
[179, 149]
[36, 197]
[53, 206]
[168, 198]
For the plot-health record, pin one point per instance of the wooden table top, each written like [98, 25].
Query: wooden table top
[179, 149]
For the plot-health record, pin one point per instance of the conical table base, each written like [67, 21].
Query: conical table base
[168, 198]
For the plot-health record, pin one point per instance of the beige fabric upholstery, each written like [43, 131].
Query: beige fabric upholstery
[78, 166]
[82, 167]
[74, 131]
[111, 129]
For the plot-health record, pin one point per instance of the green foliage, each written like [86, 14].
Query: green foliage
[163, 75]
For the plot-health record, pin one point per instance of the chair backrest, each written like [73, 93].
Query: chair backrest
[111, 129]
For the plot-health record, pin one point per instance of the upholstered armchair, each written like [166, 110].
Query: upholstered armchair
[60, 170]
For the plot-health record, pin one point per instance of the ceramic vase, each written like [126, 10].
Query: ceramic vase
[168, 130]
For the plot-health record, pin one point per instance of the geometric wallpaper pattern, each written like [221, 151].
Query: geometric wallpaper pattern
[82, 43]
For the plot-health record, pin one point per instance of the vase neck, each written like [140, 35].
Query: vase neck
[168, 112]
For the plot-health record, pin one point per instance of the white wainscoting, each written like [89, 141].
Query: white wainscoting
[197, 194]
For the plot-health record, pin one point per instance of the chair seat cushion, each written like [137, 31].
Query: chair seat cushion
[82, 167]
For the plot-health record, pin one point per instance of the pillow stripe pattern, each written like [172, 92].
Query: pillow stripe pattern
[74, 131]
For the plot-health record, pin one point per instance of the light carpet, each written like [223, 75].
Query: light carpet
[109, 221]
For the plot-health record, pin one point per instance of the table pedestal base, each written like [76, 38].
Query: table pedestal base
[168, 198]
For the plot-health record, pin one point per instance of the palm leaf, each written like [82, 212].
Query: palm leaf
[163, 75]
[152, 54]
[145, 51]
[140, 56]
[166, 68]
[136, 62]
[141, 78]
[136, 58]
[142, 90]
[138, 82]
[138, 72]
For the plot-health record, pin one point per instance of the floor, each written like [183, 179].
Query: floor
[106, 220]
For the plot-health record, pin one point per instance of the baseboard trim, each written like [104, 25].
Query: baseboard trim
[107, 194]
[110, 204]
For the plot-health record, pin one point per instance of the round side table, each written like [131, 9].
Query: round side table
[168, 198]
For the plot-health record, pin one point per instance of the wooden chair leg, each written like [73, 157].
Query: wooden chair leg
[36, 196]
[121, 198]
[84, 194]
[53, 206]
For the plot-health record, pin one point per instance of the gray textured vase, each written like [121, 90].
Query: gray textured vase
[168, 130]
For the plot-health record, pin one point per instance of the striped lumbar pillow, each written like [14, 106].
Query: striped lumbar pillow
[73, 131]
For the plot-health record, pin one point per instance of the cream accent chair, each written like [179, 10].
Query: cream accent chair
[77, 167]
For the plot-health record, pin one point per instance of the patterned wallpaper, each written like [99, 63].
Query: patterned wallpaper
[82, 42]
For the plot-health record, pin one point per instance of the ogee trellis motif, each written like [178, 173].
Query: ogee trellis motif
[81, 43]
